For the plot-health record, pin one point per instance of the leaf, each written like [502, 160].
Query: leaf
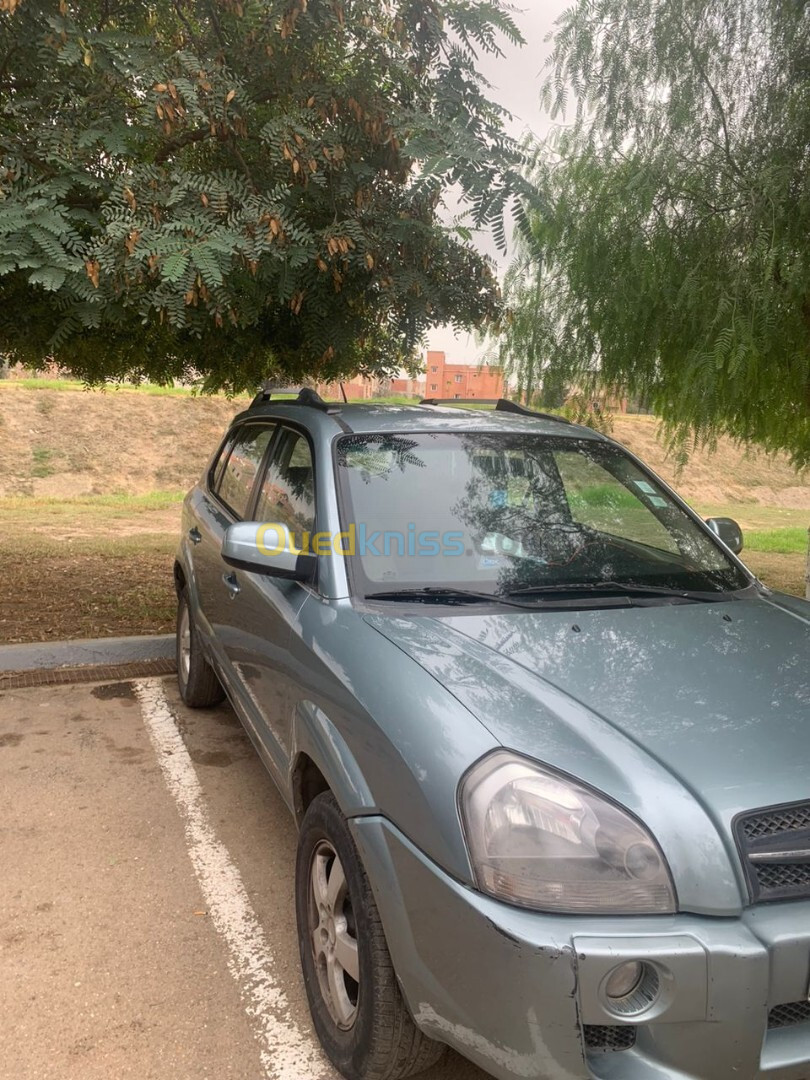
[48, 277]
[175, 266]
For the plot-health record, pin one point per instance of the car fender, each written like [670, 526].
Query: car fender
[315, 736]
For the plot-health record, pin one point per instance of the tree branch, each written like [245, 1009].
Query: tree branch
[173, 145]
[237, 153]
[182, 17]
[718, 104]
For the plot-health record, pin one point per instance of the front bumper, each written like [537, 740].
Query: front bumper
[518, 992]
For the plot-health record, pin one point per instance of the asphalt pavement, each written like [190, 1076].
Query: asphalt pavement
[147, 924]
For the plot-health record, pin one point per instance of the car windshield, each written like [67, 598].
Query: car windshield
[503, 513]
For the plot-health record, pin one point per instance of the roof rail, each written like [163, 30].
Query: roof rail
[500, 405]
[306, 396]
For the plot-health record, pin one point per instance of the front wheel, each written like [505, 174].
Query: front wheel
[199, 686]
[356, 1005]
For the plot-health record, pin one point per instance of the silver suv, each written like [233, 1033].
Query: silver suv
[545, 737]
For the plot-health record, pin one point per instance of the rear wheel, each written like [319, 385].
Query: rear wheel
[355, 1001]
[199, 686]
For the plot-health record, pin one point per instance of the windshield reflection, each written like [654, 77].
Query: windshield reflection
[503, 512]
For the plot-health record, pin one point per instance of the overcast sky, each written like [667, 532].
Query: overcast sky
[516, 79]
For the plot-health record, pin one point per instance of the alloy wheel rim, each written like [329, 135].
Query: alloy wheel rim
[185, 644]
[333, 935]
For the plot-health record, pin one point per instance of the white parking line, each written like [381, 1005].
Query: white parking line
[286, 1053]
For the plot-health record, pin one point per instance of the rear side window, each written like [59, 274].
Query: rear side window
[235, 480]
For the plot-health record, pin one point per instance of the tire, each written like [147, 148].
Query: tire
[199, 686]
[364, 1025]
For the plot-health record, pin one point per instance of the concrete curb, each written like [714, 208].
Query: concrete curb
[89, 652]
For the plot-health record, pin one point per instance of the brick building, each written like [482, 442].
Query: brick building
[414, 388]
[461, 380]
[441, 379]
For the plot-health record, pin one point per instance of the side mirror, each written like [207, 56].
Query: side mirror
[728, 531]
[266, 549]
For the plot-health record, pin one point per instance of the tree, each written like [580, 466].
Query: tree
[675, 231]
[244, 188]
[523, 341]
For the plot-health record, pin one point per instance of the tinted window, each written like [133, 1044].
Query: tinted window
[287, 494]
[236, 480]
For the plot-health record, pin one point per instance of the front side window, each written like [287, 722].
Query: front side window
[503, 512]
[287, 493]
[235, 481]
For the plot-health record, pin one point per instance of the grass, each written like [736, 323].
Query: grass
[42, 458]
[54, 504]
[152, 389]
[755, 517]
[781, 541]
[87, 566]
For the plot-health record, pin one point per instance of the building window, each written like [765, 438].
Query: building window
[434, 386]
[457, 396]
[458, 378]
[434, 368]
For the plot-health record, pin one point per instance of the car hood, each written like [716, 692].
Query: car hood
[717, 696]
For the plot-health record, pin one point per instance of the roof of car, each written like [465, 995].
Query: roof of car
[373, 417]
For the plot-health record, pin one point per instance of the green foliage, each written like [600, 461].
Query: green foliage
[241, 189]
[673, 241]
[792, 541]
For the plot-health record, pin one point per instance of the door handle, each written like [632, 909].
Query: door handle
[194, 535]
[232, 585]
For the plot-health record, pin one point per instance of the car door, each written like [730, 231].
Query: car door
[222, 499]
[262, 611]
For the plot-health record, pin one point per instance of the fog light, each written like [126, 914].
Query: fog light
[624, 979]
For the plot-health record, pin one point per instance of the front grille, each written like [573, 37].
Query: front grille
[770, 822]
[774, 845]
[796, 1012]
[784, 876]
[603, 1038]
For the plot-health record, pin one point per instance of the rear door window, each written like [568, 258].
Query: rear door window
[236, 478]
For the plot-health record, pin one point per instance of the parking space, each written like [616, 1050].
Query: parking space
[147, 923]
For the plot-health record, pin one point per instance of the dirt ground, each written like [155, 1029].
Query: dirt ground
[729, 474]
[63, 442]
[86, 595]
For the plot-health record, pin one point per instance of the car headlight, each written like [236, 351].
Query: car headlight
[544, 841]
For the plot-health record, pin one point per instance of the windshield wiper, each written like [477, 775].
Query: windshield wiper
[616, 588]
[439, 593]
